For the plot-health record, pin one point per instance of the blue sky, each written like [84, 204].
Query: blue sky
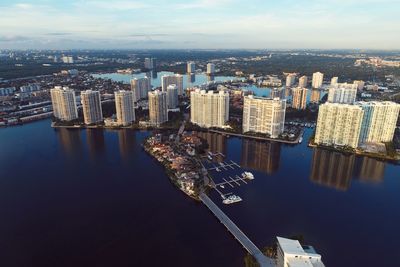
[364, 24]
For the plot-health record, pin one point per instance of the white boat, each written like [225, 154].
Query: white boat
[300, 140]
[231, 199]
[209, 157]
[218, 170]
[248, 175]
[222, 186]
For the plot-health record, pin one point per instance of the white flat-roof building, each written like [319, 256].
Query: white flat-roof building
[344, 93]
[140, 87]
[172, 96]
[303, 81]
[290, 79]
[91, 105]
[158, 110]
[210, 68]
[125, 107]
[191, 67]
[176, 79]
[292, 254]
[317, 80]
[64, 103]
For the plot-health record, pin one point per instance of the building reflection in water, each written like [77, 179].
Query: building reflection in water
[210, 78]
[70, 140]
[95, 142]
[315, 96]
[191, 78]
[216, 143]
[261, 156]
[126, 140]
[332, 169]
[369, 169]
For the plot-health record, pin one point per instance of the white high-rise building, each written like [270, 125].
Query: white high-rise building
[158, 109]
[303, 81]
[64, 103]
[140, 87]
[360, 85]
[191, 67]
[150, 63]
[67, 59]
[209, 109]
[334, 80]
[264, 115]
[176, 79]
[91, 105]
[290, 79]
[172, 96]
[379, 121]
[290, 253]
[125, 107]
[342, 93]
[299, 98]
[338, 124]
[210, 68]
[317, 80]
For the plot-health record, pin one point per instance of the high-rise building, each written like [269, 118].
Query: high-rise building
[158, 110]
[299, 98]
[264, 115]
[290, 79]
[209, 109]
[277, 93]
[338, 124]
[360, 85]
[140, 87]
[334, 80]
[342, 93]
[91, 105]
[64, 103]
[303, 81]
[191, 67]
[379, 121]
[172, 96]
[315, 96]
[67, 59]
[292, 253]
[210, 68]
[149, 63]
[317, 80]
[125, 107]
[176, 79]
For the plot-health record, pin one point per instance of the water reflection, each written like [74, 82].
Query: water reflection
[334, 169]
[216, 143]
[210, 78]
[315, 96]
[95, 142]
[70, 141]
[261, 156]
[127, 142]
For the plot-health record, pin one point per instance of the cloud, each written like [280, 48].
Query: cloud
[14, 38]
[121, 5]
[23, 6]
[58, 33]
[203, 4]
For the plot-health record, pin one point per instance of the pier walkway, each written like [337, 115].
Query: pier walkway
[237, 233]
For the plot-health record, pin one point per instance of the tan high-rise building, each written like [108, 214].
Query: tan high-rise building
[317, 80]
[125, 107]
[303, 81]
[209, 109]
[264, 115]
[91, 105]
[315, 96]
[158, 107]
[334, 80]
[210, 68]
[64, 103]
[140, 87]
[191, 67]
[299, 98]
[176, 79]
[343, 93]
[379, 121]
[290, 79]
[338, 124]
[360, 85]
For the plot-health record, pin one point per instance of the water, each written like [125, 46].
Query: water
[95, 198]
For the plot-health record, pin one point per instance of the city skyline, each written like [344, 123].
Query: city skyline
[230, 24]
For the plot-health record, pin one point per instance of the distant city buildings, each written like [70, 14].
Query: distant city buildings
[334, 80]
[360, 85]
[172, 96]
[158, 109]
[210, 68]
[64, 103]
[125, 107]
[30, 88]
[303, 81]
[317, 80]
[209, 109]
[290, 79]
[140, 88]
[299, 98]
[191, 67]
[292, 253]
[264, 115]
[67, 59]
[7, 91]
[342, 93]
[150, 63]
[176, 79]
[91, 105]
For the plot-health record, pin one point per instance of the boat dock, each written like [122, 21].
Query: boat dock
[251, 248]
[224, 165]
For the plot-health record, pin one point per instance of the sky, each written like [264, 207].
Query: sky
[200, 24]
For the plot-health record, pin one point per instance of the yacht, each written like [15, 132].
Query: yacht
[248, 175]
[300, 140]
[231, 199]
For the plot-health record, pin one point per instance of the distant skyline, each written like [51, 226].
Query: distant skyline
[201, 24]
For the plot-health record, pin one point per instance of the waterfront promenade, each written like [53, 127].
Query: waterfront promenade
[295, 141]
[251, 248]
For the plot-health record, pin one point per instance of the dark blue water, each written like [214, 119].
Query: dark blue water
[94, 198]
